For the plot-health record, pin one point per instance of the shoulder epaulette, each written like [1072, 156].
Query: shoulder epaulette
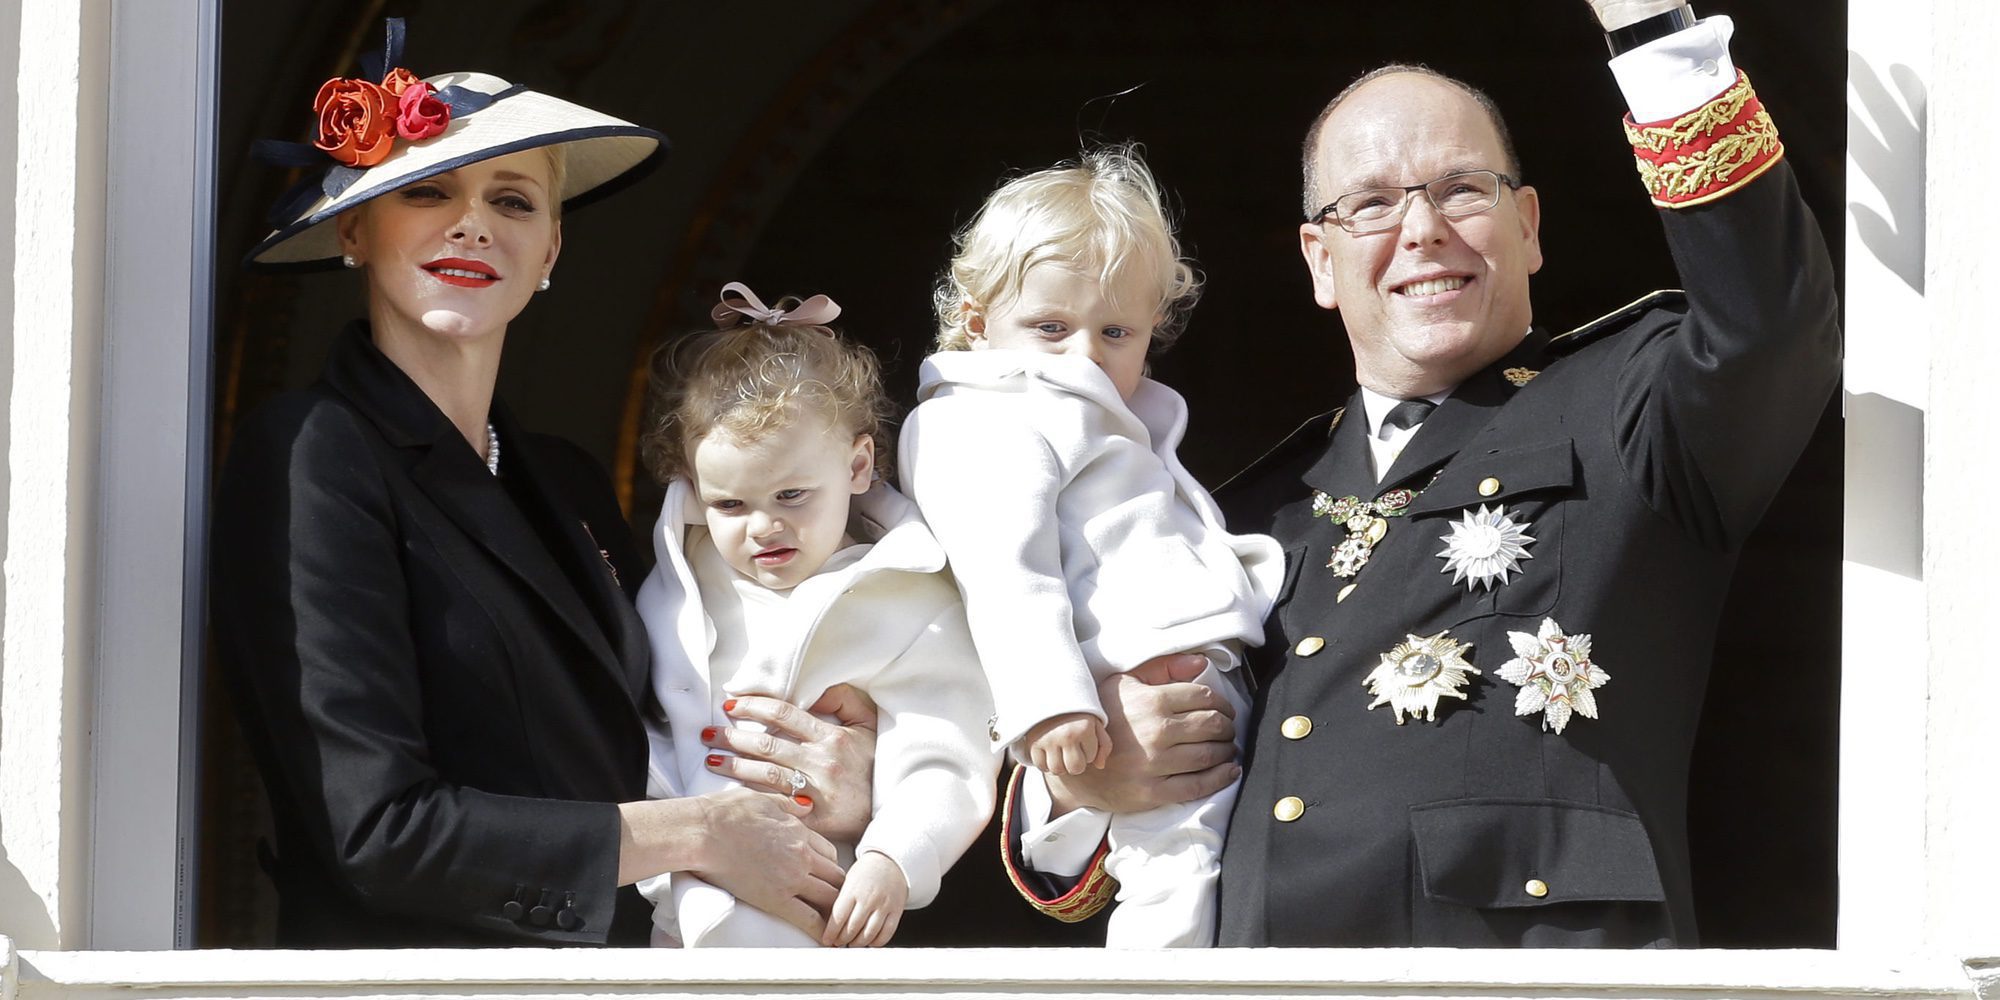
[1666, 298]
[1316, 429]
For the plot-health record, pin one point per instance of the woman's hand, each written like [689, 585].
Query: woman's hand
[870, 905]
[757, 848]
[837, 762]
[1171, 741]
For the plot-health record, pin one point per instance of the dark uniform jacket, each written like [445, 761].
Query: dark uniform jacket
[1638, 453]
[438, 670]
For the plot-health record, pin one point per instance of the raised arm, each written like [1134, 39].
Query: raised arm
[1716, 401]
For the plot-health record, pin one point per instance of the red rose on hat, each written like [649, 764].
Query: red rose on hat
[355, 124]
[419, 114]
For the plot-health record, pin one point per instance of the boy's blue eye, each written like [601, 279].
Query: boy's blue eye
[1116, 332]
[789, 496]
[1050, 327]
[726, 505]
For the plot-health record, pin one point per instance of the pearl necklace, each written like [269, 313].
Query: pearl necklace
[492, 450]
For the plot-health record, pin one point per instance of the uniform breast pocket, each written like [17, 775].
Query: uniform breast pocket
[1494, 522]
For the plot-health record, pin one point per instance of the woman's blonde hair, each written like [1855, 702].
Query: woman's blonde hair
[1102, 214]
[757, 378]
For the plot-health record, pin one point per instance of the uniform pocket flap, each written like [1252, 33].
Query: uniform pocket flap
[1478, 476]
[1505, 853]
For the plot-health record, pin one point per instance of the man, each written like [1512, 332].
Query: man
[1507, 552]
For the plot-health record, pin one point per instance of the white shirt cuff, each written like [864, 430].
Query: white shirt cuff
[1671, 76]
[1064, 845]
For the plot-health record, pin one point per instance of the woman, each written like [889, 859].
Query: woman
[424, 612]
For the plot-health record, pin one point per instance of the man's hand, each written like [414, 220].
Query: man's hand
[1171, 741]
[1615, 14]
[837, 761]
[1067, 744]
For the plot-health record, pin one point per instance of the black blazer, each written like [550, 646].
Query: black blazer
[439, 671]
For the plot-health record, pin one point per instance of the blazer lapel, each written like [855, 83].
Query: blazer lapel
[628, 653]
[1342, 470]
[476, 502]
[451, 474]
[1461, 415]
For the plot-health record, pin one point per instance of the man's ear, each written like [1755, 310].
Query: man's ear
[861, 468]
[1528, 204]
[1319, 263]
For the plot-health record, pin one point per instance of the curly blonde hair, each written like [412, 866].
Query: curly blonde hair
[1102, 213]
[757, 378]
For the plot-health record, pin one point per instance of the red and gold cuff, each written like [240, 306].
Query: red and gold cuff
[1090, 894]
[1708, 152]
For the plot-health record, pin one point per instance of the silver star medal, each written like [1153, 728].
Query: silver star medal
[1484, 547]
[1555, 675]
[1417, 672]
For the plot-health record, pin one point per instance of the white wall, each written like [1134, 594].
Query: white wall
[1961, 456]
[57, 258]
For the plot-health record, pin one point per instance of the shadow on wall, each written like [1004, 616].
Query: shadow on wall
[1889, 150]
[23, 915]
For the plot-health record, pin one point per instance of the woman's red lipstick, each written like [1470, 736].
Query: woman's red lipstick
[461, 272]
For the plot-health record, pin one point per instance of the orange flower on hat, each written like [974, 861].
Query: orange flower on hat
[356, 125]
[398, 80]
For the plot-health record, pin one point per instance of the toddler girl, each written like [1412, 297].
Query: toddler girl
[1043, 458]
[784, 568]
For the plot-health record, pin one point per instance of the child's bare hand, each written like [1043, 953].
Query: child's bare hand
[870, 904]
[1066, 744]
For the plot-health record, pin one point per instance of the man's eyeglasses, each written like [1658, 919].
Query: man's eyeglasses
[1455, 196]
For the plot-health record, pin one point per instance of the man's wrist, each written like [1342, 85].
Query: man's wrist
[1638, 33]
[1619, 17]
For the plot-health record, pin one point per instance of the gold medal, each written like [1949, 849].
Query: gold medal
[1415, 673]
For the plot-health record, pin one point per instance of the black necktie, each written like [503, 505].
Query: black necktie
[1405, 415]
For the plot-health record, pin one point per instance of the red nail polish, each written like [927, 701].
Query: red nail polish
[729, 706]
[715, 760]
[804, 800]
[708, 734]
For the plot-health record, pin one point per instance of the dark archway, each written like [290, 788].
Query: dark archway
[834, 147]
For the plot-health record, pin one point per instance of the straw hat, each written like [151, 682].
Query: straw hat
[488, 117]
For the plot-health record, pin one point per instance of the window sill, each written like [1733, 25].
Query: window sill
[1356, 973]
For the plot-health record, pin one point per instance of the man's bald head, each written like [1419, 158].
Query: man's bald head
[1314, 197]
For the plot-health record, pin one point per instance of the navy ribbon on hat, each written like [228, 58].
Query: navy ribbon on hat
[337, 177]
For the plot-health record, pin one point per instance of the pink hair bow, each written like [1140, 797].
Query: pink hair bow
[739, 302]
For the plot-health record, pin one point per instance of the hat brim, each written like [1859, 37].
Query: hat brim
[600, 150]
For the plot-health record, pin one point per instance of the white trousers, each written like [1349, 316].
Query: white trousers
[1167, 860]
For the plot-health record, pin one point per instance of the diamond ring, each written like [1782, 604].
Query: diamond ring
[798, 782]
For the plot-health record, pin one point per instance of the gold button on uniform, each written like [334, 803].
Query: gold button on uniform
[1296, 728]
[1489, 486]
[1536, 888]
[1309, 645]
[1289, 808]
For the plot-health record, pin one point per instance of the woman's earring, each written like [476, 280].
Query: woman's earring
[544, 286]
[347, 260]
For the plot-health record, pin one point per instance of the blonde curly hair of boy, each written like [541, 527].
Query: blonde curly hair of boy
[758, 378]
[1102, 214]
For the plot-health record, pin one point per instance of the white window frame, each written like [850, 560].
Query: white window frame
[155, 464]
